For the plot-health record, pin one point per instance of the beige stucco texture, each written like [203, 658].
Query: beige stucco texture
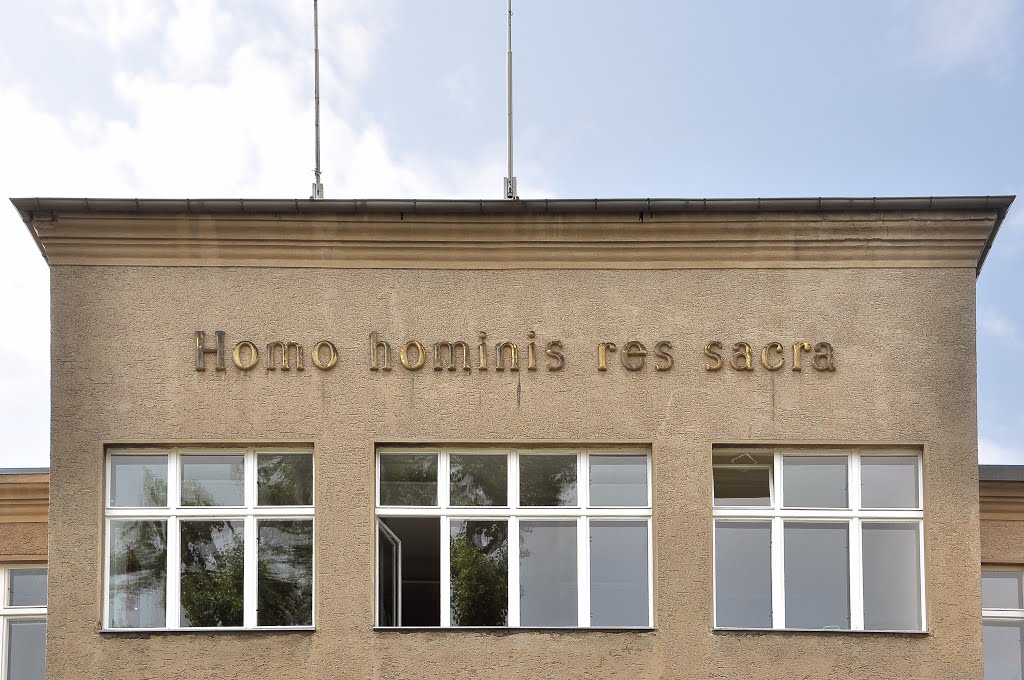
[124, 372]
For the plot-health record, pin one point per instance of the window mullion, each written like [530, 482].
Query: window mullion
[583, 570]
[856, 576]
[249, 613]
[513, 572]
[173, 573]
[778, 574]
[446, 573]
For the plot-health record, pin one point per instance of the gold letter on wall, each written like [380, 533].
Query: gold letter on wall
[741, 350]
[332, 355]
[254, 355]
[711, 352]
[202, 350]
[775, 347]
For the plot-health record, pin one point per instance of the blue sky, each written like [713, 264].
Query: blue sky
[201, 98]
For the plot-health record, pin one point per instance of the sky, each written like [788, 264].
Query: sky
[653, 98]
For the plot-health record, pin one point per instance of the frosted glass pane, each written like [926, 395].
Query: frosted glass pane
[814, 481]
[1003, 658]
[817, 580]
[618, 481]
[26, 655]
[889, 481]
[1002, 590]
[618, 573]
[743, 574]
[27, 588]
[547, 572]
[892, 578]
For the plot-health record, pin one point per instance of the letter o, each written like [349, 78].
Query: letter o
[254, 355]
[421, 355]
[332, 358]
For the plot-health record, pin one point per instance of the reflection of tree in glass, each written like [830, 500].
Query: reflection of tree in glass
[154, 488]
[285, 573]
[285, 479]
[194, 493]
[138, 567]
[212, 573]
[547, 480]
[479, 480]
[408, 479]
[479, 562]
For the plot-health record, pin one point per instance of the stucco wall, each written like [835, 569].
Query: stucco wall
[123, 370]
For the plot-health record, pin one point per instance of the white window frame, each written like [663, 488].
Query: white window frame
[9, 613]
[581, 513]
[173, 513]
[1000, 615]
[853, 515]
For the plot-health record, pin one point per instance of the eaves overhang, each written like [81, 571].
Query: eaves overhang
[949, 231]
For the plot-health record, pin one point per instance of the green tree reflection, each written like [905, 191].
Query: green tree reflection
[479, 569]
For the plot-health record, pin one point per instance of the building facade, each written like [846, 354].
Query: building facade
[514, 439]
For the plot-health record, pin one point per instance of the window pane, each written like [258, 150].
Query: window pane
[618, 573]
[26, 649]
[211, 573]
[889, 481]
[1003, 650]
[479, 480]
[284, 586]
[817, 575]
[284, 479]
[408, 479]
[547, 573]
[743, 574]
[213, 480]
[618, 480]
[814, 481]
[138, 481]
[1002, 590]
[547, 480]
[735, 485]
[27, 588]
[892, 581]
[479, 563]
[138, 573]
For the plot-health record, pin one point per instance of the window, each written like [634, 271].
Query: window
[518, 538]
[1002, 611]
[818, 540]
[23, 623]
[209, 539]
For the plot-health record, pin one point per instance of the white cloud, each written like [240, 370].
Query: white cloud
[951, 34]
[991, 452]
[116, 22]
[995, 324]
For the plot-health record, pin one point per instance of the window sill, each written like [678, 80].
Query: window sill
[505, 630]
[146, 632]
[813, 631]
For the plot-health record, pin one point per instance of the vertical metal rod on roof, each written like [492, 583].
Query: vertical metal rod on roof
[318, 188]
[510, 180]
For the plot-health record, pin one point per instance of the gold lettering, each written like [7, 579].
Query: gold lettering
[202, 350]
[499, 349]
[254, 355]
[283, 349]
[482, 351]
[741, 350]
[711, 352]
[376, 345]
[439, 363]
[332, 355]
[632, 350]
[767, 362]
[531, 352]
[823, 351]
[660, 351]
[799, 347]
[553, 352]
[421, 355]
[602, 354]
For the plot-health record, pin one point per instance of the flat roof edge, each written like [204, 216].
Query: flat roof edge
[26, 206]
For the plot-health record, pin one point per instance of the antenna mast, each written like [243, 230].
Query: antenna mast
[318, 188]
[510, 180]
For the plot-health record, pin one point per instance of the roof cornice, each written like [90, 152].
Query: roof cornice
[523, 234]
